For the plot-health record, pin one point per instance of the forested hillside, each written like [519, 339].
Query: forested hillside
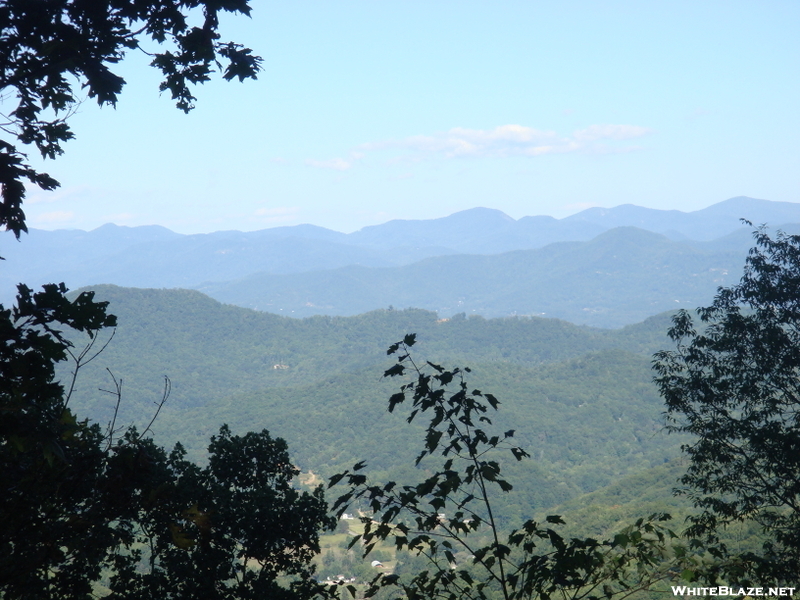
[397, 409]
[580, 398]
[620, 277]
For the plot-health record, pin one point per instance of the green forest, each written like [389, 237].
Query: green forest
[579, 396]
[156, 443]
[582, 402]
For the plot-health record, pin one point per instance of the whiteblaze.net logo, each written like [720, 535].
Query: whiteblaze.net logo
[682, 590]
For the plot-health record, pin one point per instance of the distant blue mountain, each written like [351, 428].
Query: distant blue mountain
[306, 255]
[620, 277]
[705, 224]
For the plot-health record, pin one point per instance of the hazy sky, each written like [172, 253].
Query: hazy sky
[373, 110]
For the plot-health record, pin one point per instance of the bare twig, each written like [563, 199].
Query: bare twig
[117, 391]
[80, 361]
[159, 404]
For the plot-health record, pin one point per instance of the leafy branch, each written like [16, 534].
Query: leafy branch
[450, 514]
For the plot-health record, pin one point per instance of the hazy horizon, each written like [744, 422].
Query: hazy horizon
[368, 112]
[278, 225]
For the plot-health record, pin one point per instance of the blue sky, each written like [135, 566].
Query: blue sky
[374, 110]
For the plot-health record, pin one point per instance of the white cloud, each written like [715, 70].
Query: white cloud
[510, 140]
[500, 142]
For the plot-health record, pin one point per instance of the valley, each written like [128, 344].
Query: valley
[577, 390]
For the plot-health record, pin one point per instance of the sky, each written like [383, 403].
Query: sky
[368, 111]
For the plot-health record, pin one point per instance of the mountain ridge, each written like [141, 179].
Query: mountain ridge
[622, 276]
[474, 242]
[580, 398]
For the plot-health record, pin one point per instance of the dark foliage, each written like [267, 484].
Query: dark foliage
[449, 516]
[51, 465]
[734, 385]
[79, 510]
[51, 49]
[236, 529]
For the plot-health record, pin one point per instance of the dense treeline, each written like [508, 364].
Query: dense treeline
[211, 349]
[581, 398]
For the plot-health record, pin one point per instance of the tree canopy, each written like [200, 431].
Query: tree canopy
[52, 52]
[50, 463]
[84, 509]
[88, 511]
[450, 516]
[733, 383]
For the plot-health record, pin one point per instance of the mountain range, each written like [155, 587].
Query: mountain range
[601, 267]
[580, 397]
